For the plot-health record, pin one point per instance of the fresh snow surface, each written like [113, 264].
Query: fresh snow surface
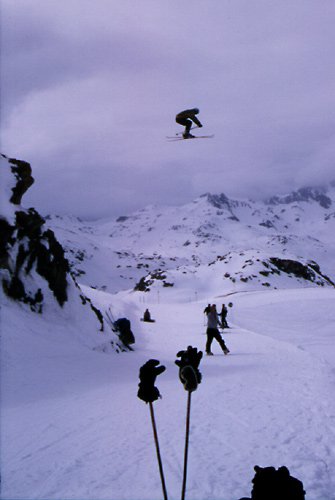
[72, 426]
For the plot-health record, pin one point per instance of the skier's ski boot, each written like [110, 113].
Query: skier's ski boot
[187, 135]
[226, 351]
[209, 353]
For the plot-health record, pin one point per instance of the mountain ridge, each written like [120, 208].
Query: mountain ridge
[296, 227]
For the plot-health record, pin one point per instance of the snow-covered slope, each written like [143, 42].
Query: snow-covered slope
[114, 255]
[71, 424]
[74, 428]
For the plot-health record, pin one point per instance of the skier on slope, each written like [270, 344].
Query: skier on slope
[213, 333]
[207, 309]
[223, 314]
[186, 118]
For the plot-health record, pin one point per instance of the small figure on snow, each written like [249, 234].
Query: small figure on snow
[223, 314]
[147, 316]
[186, 118]
[123, 327]
[207, 309]
[213, 333]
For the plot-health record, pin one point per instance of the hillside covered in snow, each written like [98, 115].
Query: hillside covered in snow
[240, 245]
[72, 426]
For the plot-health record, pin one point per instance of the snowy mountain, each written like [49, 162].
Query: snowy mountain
[240, 245]
[71, 424]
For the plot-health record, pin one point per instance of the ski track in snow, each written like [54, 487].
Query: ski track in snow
[270, 402]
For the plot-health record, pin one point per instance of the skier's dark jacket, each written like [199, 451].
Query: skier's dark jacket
[189, 113]
[123, 326]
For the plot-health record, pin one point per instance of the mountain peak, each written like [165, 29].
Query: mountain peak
[303, 194]
[217, 200]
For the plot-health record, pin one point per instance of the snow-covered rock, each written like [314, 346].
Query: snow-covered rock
[34, 270]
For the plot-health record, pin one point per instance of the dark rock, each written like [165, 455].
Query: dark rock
[143, 285]
[310, 272]
[22, 171]
[303, 194]
[26, 246]
[6, 232]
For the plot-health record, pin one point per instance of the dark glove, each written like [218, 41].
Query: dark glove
[148, 373]
[188, 363]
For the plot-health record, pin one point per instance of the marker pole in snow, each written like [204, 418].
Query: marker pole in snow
[149, 393]
[190, 377]
[188, 413]
[160, 465]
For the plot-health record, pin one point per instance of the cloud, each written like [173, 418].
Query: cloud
[89, 92]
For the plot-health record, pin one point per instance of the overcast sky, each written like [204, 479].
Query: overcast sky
[90, 90]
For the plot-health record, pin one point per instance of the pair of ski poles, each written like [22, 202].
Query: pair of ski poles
[160, 465]
[190, 376]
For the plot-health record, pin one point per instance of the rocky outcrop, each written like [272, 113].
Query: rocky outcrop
[38, 249]
[24, 180]
[27, 247]
[33, 268]
[303, 194]
[309, 272]
[147, 281]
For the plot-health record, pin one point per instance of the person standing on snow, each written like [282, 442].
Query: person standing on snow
[223, 314]
[213, 332]
[207, 309]
[186, 118]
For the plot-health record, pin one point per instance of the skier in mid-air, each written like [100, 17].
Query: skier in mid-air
[186, 118]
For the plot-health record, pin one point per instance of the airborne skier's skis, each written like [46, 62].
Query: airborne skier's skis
[173, 139]
[182, 132]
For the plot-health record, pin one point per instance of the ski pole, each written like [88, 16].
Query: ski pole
[190, 377]
[188, 413]
[160, 465]
[149, 393]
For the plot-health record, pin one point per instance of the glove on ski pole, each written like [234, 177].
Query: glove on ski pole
[148, 373]
[188, 363]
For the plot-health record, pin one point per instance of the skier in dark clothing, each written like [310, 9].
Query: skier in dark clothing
[123, 326]
[223, 314]
[147, 316]
[186, 118]
[213, 332]
[207, 309]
